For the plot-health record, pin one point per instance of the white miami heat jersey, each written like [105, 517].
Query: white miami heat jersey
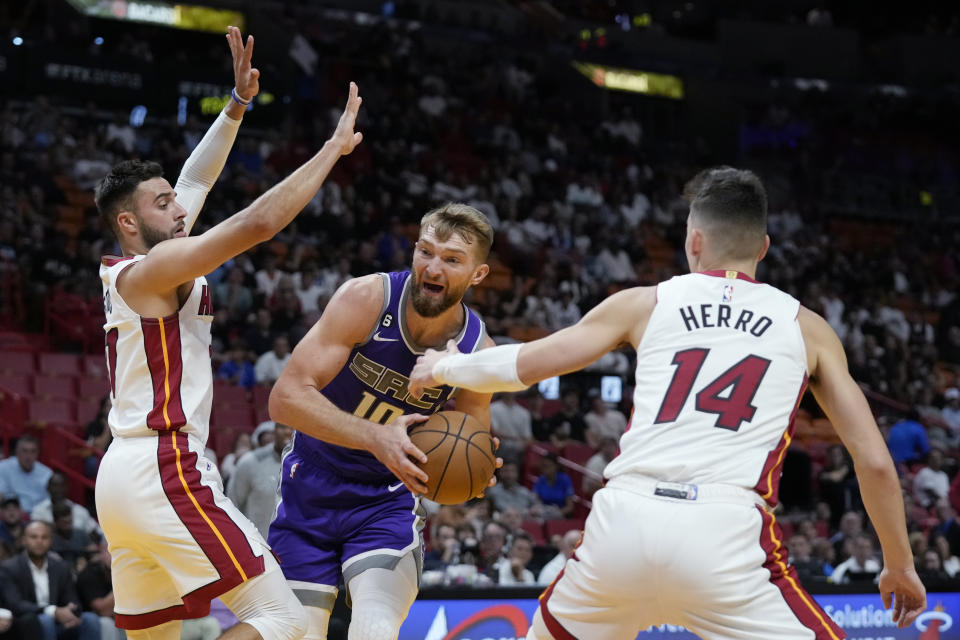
[720, 372]
[159, 368]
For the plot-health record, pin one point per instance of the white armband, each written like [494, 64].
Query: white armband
[204, 165]
[486, 371]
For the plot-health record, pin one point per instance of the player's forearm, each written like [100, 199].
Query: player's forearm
[880, 489]
[203, 167]
[276, 208]
[485, 371]
[307, 410]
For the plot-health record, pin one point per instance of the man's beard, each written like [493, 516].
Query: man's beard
[430, 306]
[151, 236]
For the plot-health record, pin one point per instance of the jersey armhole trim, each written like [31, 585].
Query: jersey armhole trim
[385, 277]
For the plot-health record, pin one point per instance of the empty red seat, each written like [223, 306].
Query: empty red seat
[18, 362]
[578, 452]
[230, 396]
[560, 527]
[87, 408]
[95, 365]
[235, 418]
[20, 384]
[535, 529]
[63, 387]
[59, 364]
[261, 395]
[93, 388]
[14, 341]
[44, 412]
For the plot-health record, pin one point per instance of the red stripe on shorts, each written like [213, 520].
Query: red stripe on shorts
[768, 486]
[784, 577]
[161, 341]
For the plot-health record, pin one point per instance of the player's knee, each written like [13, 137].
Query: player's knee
[280, 620]
[374, 623]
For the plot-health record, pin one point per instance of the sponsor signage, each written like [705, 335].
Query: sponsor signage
[632, 80]
[862, 616]
[178, 16]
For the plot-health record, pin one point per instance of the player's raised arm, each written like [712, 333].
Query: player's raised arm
[179, 260]
[620, 319]
[205, 163]
[845, 405]
[296, 399]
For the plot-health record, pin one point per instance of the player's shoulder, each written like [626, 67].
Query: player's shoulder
[361, 292]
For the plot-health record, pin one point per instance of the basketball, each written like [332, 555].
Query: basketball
[460, 456]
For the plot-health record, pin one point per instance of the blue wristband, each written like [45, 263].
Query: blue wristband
[240, 101]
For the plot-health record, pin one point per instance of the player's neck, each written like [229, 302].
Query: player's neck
[434, 332]
[746, 268]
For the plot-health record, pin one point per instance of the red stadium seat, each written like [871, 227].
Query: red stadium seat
[59, 364]
[44, 412]
[230, 396]
[233, 418]
[560, 527]
[261, 396]
[95, 365]
[87, 408]
[58, 387]
[20, 384]
[18, 362]
[93, 388]
[578, 452]
[535, 529]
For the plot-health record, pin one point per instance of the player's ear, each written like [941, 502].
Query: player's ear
[479, 274]
[766, 247]
[127, 221]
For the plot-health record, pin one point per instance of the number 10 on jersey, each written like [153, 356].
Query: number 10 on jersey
[742, 380]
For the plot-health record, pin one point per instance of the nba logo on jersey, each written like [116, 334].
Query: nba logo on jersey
[727, 293]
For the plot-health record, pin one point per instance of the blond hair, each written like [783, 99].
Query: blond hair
[462, 219]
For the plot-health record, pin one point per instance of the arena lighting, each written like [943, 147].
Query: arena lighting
[17, 41]
[645, 82]
[159, 12]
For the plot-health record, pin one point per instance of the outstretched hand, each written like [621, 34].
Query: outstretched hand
[246, 79]
[905, 592]
[344, 137]
[421, 376]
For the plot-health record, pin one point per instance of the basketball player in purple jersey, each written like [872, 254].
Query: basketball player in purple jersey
[349, 510]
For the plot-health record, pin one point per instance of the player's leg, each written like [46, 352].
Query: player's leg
[166, 631]
[737, 570]
[381, 599]
[266, 608]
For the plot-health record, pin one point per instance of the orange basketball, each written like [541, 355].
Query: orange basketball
[460, 456]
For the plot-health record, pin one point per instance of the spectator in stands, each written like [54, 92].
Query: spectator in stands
[253, 486]
[807, 565]
[568, 423]
[837, 483]
[271, 364]
[552, 569]
[95, 590]
[97, 434]
[510, 422]
[233, 295]
[67, 541]
[603, 422]
[238, 369]
[851, 525]
[861, 565]
[509, 493]
[596, 464]
[268, 278]
[443, 550]
[930, 568]
[825, 554]
[259, 338]
[513, 569]
[931, 483]
[907, 440]
[242, 443]
[512, 521]
[307, 285]
[16, 623]
[951, 412]
[263, 434]
[539, 426]
[11, 523]
[490, 551]
[951, 563]
[57, 490]
[949, 526]
[554, 488]
[22, 476]
[45, 586]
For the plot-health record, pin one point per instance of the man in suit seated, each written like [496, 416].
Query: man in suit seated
[42, 584]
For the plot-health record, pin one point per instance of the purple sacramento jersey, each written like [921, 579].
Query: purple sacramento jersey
[341, 511]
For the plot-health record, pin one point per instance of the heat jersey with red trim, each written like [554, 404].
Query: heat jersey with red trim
[159, 368]
[720, 371]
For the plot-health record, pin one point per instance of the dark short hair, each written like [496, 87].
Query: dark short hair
[114, 191]
[26, 439]
[732, 204]
[61, 509]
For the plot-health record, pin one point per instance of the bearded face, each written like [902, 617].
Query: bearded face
[430, 299]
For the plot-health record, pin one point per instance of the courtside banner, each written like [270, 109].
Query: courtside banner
[861, 616]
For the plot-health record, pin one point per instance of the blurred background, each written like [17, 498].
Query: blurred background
[573, 126]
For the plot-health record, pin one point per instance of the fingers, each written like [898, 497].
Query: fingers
[412, 450]
[452, 346]
[496, 447]
[412, 476]
[909, 616]
[885, 596]
[248, 49]
[498, 463]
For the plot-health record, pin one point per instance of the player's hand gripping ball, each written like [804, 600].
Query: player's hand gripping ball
[461, 456]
